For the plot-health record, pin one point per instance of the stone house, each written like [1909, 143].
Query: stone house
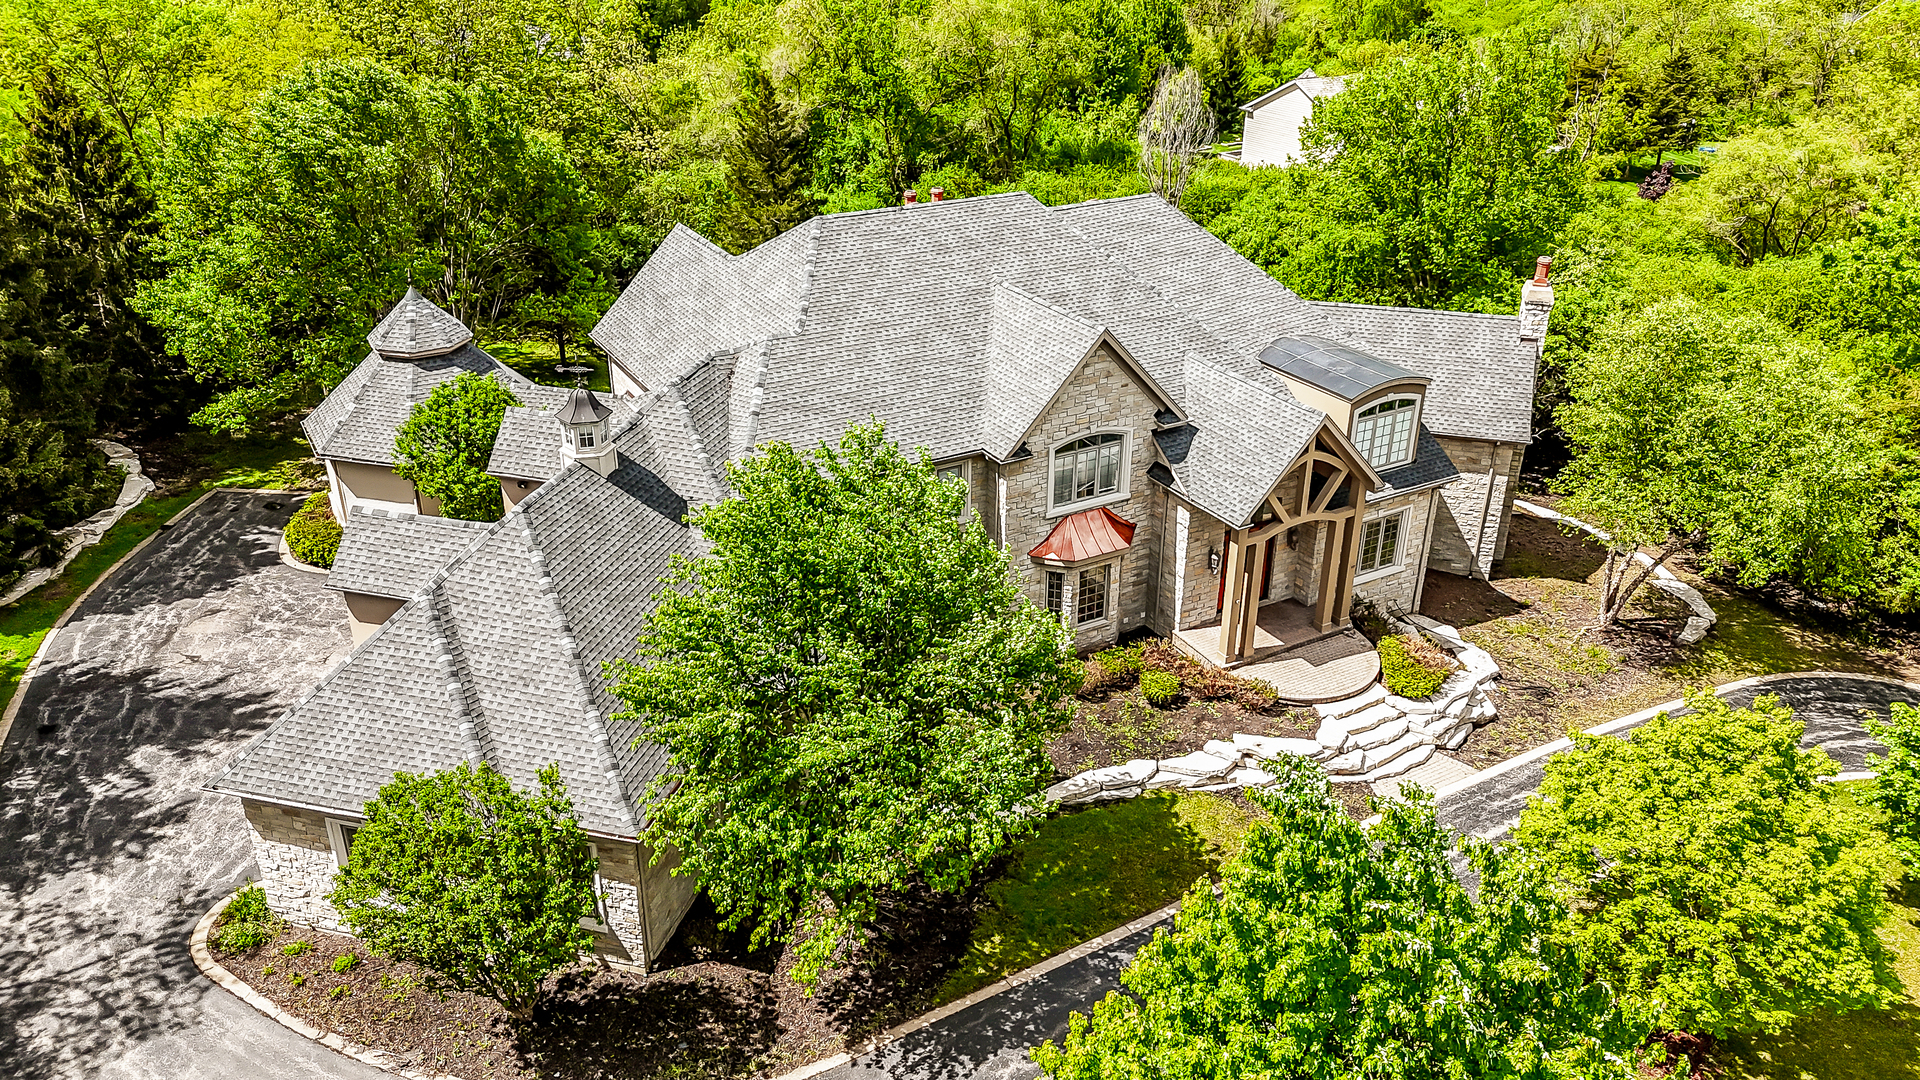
[1275, 119]
[1163, 437]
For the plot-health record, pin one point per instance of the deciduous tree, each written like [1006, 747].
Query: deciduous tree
[1897, 788]
[1332, 951]
[481, 885]
[444, 445]
[853, 689]
[1711, 874]
[1176, 129]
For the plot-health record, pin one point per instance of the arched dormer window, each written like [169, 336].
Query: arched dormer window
[1384, 431]
[1089, 468]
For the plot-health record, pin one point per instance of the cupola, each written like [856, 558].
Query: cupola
[583, 432]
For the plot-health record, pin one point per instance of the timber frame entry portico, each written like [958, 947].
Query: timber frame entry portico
[1317, 502]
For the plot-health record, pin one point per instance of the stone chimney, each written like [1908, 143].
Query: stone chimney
[583, 432]
[1536, 303]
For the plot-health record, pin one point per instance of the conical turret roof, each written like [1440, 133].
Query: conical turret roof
[583, 408]
[417, 328]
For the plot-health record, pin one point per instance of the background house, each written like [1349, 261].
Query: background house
[1275, 119]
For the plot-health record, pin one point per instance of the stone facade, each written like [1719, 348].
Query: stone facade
[1398, 590]
[1467, 520]
[1102, 396]
[294, 850]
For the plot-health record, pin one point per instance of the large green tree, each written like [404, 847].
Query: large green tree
[1896, 790]
[479, 884]
[1434, 179]
[443, 446]
[853, 689]
[290, 230]
[1692, 428]
[1712, 875]
[1332, 951]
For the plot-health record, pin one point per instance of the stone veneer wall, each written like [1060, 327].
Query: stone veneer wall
[1102, 396]
[1458, 523]
[294, 853]
[1398, 590]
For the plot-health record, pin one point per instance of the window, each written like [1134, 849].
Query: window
[1091, 603]
[1088, 468]
[1380, 544]
[584, 438]
[340, 836]
[957, 472]
[1383, 433]
[1056, 592]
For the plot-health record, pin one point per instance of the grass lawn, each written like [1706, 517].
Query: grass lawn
[1883, 1044]
[536, 360]
[219, 462]
[1089, 871]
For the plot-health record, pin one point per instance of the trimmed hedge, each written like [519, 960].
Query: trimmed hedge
[312, 535]
[1408, 670]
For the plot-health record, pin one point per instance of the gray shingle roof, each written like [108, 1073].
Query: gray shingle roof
[499, 657]
[417, 328]
[357, 420]
[393, 555]
[1430, 466]
[1482, 372]
[1314, 86]
[1333, 367]
[1032, 347]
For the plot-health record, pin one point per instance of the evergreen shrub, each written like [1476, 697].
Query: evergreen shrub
[313, 535]
[1410, 670]
[246, 924]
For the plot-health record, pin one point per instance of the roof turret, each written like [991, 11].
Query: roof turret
[417, 328]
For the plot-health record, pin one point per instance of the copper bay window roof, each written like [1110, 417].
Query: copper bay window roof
[1088, 534]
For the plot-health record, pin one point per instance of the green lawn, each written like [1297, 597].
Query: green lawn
[536, 360]
[262, 463]
[1883, 1044]
[1088, 871]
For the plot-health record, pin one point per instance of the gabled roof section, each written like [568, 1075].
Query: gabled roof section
[1089, 534]
[528, 445]
[357, 420]
[499, 657]
[417, 328]
[1333, 367]
[1229, 459]
[1430, 466]
[1482, 373]
[394, 555]
[1308, 83]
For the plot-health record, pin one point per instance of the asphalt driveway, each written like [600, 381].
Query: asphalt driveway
[109, 850]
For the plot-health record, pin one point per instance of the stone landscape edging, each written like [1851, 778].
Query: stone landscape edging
[332, 1040]
[1703, 617]
[33, 665]
[1018, 978]
[287, 557]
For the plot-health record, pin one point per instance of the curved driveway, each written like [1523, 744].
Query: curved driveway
[109, 850]
[989, 1041]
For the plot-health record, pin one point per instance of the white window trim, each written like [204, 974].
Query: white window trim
[1413, 437]
[965, 468]
[337, 841]
[1399, 552]
[1117, 495]
[589, 921]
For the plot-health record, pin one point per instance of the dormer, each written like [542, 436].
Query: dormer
[1374, 403]
[417, 329]
[583, 432]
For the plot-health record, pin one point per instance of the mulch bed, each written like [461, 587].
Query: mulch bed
[713, 1010]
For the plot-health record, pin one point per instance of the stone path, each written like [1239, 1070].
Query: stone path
[112, 851]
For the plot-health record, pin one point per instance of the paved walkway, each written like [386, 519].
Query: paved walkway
[989, 1041]
[111, 851]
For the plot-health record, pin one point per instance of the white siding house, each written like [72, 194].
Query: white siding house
[1276, 118]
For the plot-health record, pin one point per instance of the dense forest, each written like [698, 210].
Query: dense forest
[206, 203]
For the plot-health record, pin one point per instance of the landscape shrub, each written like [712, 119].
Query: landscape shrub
[1122, 660]
[1897, 791]
[297, 948]
[1203, 683]
[312, 534]
[1112, 669]
[1160, 687]
[345, 962]
[246, 924]
[1411, 669]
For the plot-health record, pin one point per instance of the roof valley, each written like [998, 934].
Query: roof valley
[450, 662]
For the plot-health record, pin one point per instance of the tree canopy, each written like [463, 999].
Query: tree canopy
[1711, 875]
[854, 692]
[481, 885]
[1332, 951]
[443, 447]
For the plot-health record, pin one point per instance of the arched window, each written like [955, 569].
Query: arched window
[1383, 431]
[1088, 468]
